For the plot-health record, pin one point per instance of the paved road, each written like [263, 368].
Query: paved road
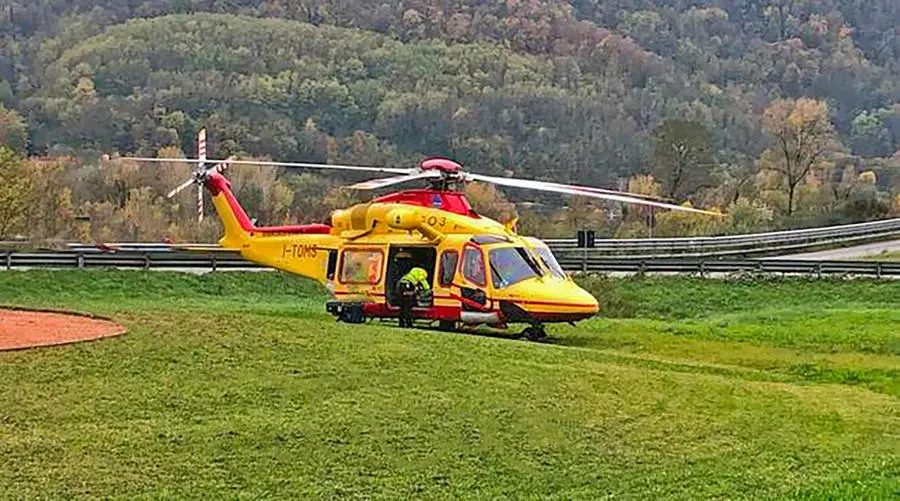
[846, 252]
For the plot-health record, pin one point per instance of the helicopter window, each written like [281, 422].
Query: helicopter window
[473, 265]
[361, 266]
[332, 265]
[449, 260]
[511, 265]
[550, 261]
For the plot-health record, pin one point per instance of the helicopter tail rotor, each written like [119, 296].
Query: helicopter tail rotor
[201, 154]
[200, 174]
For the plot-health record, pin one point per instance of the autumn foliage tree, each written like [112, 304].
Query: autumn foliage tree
[803, 136]
[15, 193]
[13, 131]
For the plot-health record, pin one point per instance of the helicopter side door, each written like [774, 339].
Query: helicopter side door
[473, 278]
[403, 258]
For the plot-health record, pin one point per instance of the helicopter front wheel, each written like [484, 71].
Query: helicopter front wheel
[534, 333]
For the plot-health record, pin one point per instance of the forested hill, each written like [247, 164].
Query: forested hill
[593, 91]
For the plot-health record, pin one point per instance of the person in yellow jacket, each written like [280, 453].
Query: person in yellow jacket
[413, 288]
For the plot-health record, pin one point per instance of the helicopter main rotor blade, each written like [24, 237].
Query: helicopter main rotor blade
[298, 165]
[605, 191]
[389, 181]
[180, 188]
[580, 191]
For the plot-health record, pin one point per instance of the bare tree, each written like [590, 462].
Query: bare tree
[804, 135]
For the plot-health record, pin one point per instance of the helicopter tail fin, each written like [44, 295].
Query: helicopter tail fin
[235, 222]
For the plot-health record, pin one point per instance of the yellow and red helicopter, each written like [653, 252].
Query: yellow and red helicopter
[480, 271]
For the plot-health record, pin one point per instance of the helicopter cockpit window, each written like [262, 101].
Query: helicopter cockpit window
[473, 265]
[361, 266]
[544, 253]
[511, 265]
[449, 259]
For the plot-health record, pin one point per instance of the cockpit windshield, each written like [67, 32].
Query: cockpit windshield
[511, 265]
[549, 260]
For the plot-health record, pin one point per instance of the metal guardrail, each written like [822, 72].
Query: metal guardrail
[230, 260]
[738, 244]
[77, 259]
[652, 248]
[704, 266]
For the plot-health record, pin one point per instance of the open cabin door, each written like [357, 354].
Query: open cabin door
[401, 259]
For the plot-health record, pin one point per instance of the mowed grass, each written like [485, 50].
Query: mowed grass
[883, 256]
[239, 385]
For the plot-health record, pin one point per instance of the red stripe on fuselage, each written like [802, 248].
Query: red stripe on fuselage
[218, 184]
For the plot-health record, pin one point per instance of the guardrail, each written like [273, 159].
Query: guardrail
[738, 244]
[652, 248]
[230, 260]
[128, 259]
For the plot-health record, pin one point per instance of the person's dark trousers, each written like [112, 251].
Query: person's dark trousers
[407, 297]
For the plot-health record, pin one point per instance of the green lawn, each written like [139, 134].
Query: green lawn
[883, 256]
[238, 385]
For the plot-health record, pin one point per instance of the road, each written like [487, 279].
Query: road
[854, 252]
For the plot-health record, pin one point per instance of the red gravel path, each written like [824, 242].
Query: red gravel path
[25, 329]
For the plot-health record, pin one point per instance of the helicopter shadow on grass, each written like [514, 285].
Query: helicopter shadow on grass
[481, 332]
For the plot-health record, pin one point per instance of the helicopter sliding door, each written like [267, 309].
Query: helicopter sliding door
[474, 277]
[401, 259]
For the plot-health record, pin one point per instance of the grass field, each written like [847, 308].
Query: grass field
[883, 256]
[239, 385]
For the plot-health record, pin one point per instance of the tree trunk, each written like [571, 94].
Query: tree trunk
[790, 207]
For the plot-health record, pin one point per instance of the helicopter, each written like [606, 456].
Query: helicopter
[481, 271]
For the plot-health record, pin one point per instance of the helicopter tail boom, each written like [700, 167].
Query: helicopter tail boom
[235, 222]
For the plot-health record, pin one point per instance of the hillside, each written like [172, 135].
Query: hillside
[593, 92]
[636, 62]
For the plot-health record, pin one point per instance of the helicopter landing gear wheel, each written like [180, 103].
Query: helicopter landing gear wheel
[447, 325]
[534, 333]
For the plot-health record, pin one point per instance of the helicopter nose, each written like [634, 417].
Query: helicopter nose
[550, 301]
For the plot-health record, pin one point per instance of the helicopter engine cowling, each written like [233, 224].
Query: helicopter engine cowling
[367, 217]
[402, 218]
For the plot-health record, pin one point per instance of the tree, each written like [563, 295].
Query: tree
[15, 193]
[869, 135]
[50, 211]
[748, 216]
[682, 158]
[13, 131]
[685, 224]
[488, 201]
[804, 135]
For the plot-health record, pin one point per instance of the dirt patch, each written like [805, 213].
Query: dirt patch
[30, 328]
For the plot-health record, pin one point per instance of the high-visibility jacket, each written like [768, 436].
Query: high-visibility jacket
[417, 277]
